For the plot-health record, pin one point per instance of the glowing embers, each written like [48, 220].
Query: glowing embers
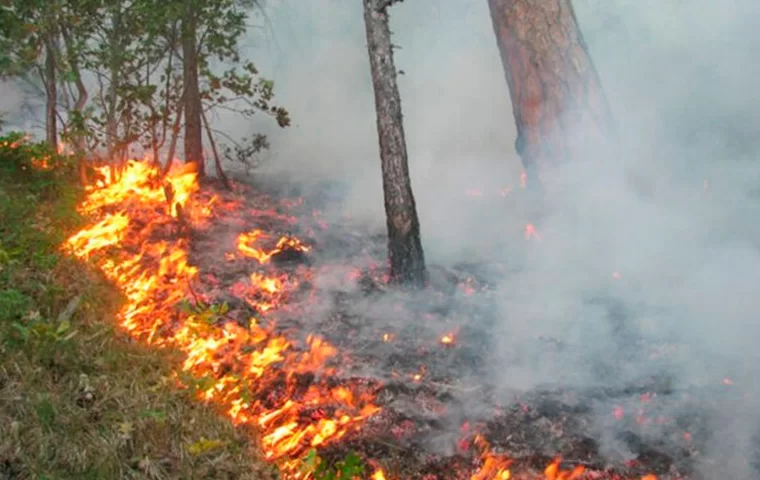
[264, 292]
[246, 245]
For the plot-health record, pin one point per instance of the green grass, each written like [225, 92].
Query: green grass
[78, 400]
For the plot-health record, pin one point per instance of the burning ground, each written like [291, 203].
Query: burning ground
[297, 344]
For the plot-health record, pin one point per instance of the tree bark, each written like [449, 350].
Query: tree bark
[193, 126]
[557, 99]
[114, 70]
[81, 101]
[407, 261]
[217, 161]
[51, 93]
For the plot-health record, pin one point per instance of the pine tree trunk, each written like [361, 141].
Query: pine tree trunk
[557, 99]
[193, 126]
[51, 94]
[407, 262]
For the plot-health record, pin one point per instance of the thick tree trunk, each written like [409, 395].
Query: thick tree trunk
[407, 261]
[51, 94]
[193, 126]
[557, 99]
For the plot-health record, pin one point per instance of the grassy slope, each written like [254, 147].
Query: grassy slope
[77, 399]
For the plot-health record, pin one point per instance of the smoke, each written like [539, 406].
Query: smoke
[653, 247]
[648, 260]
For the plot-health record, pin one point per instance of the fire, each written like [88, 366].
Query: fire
[531, 232]
[246, 240]
[250, 372]
[255, 375]
[554, 472]
[495, 466]
[378, 475]
[448, 338]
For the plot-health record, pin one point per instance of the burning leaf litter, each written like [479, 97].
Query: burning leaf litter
[141, 238]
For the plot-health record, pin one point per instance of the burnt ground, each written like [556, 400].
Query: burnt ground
[624, 429]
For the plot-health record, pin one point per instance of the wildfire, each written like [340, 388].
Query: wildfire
[257, 376]
[250, 371]
[378, 475]
[531, 232]
[246, 246]
[495, 466]
[448, 338]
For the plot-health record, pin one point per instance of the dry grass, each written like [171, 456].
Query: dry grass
[77, 399]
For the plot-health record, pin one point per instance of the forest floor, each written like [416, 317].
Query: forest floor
[303, 346]
[79, 399]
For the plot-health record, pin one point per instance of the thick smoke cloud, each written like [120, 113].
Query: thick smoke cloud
[670, 211]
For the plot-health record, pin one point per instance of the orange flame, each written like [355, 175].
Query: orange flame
[245, 364]
[245, 241]
[249, 371]
[378, 475]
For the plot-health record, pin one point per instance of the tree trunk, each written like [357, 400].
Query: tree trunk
[51, 94]
[557, 99]
[175, 135]
[114, 70]
[81, 100]
[217, 161]
[193, 126]
[407, 261]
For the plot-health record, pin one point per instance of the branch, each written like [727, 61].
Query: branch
[227, 136]
[217, 160]
[383, 5]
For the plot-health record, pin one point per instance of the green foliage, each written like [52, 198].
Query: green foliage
[79, 401]
[349, 468]
[132, 48]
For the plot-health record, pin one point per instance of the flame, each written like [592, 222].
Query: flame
[554, 472]
[245, 247]
[250, 372]
[254, 374]
[495, 466]
[378, 475]
[448, 338]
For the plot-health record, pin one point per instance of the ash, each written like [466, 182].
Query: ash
[429, 356]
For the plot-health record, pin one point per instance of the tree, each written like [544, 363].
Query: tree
[557, 98]
[407, 262]
[192, 94]
[132, 55]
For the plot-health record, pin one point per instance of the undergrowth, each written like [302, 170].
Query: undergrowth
[78, 400]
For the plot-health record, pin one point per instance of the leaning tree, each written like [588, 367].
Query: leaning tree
[557, 98]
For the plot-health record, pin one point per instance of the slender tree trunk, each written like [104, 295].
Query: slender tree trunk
[51, 93]
[557, 99]
[407, 261]
[193, 125]
[175, 136]
[215, 151]
[114, 70]
[81, 101]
